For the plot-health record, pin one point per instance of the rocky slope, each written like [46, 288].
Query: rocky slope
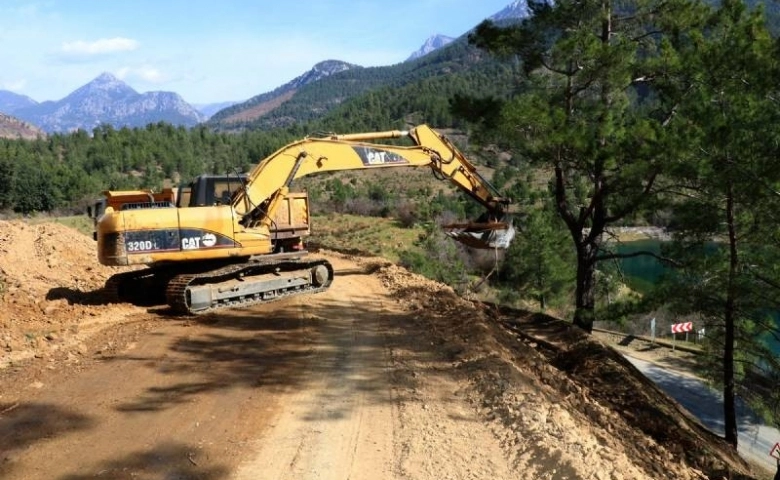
[263, 103]
[11, 127]
[433, 43]
[516, 10]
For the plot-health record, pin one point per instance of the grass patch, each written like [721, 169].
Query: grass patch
[82, 223]
[383, 237]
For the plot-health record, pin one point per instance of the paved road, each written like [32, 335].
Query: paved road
[755, 438]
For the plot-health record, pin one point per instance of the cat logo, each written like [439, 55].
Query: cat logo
[194, 243]
[191, 243]
[208, 240]
[373, 156]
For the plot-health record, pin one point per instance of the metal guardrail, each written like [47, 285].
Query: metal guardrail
[659, 341]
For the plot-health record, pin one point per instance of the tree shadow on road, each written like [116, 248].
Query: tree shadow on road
[171, 460]
[343, 345]
[23, 425]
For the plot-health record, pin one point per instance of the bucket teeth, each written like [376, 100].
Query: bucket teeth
[489, 231]
[484, 239]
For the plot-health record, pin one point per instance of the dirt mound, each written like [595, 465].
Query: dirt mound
[50, 283]
[562, 402]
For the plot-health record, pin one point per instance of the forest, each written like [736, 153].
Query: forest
[606, 114]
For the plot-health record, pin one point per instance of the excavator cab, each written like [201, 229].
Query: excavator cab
[208, 190]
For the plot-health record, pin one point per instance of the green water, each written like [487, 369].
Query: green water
[643, 272]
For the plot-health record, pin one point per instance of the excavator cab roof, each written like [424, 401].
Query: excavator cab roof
[209, 189]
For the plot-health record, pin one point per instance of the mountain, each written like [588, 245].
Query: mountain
[107, 99]
[10, 101]
[209, 109]
[439, 74]
[516, 10]
[261, 104]
[296, 103]
[11, 127]
[433, 43]
[327, 85]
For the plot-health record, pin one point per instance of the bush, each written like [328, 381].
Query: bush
[441, 259]
[407, 214]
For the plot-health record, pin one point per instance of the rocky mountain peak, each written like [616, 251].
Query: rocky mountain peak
[106, 78]
[105, 83]
[320, 70]
[329, 67]
[432, 43]
[106, 99]
[514, 11]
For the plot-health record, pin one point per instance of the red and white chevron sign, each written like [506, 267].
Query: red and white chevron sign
[682, 327]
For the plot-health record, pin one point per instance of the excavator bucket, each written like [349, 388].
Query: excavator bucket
[485, 233]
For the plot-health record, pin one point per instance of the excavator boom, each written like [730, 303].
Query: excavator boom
[355, 151]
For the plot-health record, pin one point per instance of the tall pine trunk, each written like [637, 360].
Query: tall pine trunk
[585, 292]
[729, 314]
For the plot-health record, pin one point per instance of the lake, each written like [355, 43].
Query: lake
[644, 271]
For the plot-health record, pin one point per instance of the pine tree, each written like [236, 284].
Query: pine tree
[539, 262]
[589, 112]
[727, 240]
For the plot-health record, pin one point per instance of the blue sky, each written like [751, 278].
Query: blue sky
[211, 51]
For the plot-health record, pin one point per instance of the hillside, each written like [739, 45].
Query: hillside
[457, 67]
[11, 127]
[265, 103]
[387, 374]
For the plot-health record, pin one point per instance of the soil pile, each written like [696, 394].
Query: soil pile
[50, 283]
[554, 392]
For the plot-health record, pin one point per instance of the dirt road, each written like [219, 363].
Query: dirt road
[323, 386]
[387, 375]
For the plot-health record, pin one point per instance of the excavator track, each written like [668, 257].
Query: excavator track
[140, 287]
[199, 288]
[245, 284]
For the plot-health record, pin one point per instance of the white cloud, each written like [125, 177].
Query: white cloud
[144, 73]
[13, 85]
[150, 74]
[99, 47]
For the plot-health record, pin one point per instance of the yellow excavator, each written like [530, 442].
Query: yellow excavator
[236, 240]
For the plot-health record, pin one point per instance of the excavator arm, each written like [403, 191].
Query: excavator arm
[268, 184]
